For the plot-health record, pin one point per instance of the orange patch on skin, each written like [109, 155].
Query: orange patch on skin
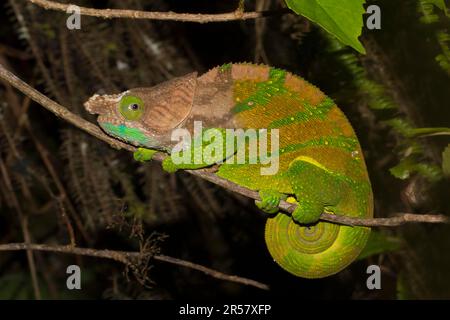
[337, 116]
[254, 118]
[250, 72]
[279, 106]
[284, 105]
[209, 76]
[304, 89]
[304, 131]
[243, 90]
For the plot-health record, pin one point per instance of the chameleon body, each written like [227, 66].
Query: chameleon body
[321, 167]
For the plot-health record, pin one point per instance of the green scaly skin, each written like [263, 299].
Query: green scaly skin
[321, 169]
[320, 172]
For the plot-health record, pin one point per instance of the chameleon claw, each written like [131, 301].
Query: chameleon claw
[144, 154]
[270, 199]
[169, 166]
[308, 212]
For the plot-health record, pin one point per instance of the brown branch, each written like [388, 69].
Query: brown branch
[60, 111]
[206, 174]
[400, 219]
[127, 258]
[238, 14]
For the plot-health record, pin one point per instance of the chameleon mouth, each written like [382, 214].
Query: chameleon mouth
[132, 135]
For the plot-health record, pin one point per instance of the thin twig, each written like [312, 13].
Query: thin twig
[66, 220]
[206, 174]
[23, 121]
[172, 16]
[127, 257]
[25, 231]
[14, 53]
[211, 272]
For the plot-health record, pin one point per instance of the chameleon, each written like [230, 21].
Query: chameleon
[321, 165]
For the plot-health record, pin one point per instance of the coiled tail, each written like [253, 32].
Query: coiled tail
[315, 251]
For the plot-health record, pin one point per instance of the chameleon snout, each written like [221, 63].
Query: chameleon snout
[102, 104]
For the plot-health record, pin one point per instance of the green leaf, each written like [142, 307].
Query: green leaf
[410, 165]
[401, 126]
[379, 243]
[403, 170]
[423, 132]
[446, 161]
[343, 19]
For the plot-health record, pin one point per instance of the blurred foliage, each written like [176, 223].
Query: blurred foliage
[446, 161]
[414, 159]
[429, 16]
[379, 243]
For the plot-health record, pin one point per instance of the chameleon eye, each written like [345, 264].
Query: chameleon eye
[131, 107]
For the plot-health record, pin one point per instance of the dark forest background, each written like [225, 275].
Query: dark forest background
[65, 180]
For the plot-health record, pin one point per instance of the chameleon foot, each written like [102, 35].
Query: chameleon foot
[315, 187]
[308, 212]
[270, 199]
[144, 154]
[169, 166]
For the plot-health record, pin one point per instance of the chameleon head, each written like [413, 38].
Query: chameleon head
[146, 116]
